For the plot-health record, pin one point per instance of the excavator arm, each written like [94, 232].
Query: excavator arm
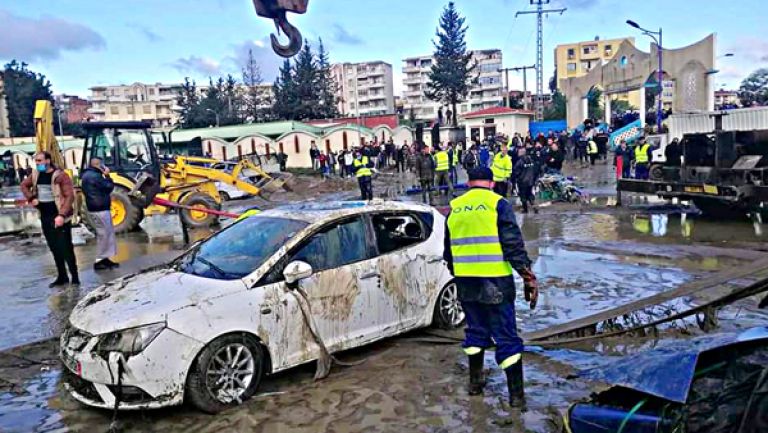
[45, 137]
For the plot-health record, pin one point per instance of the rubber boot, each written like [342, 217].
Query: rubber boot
[477, 379]
[515, 386]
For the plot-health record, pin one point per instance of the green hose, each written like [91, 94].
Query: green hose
[629, 415]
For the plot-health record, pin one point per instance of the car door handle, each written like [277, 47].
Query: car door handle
[369, 275]
[266, 310]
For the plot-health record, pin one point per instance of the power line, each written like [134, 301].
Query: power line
[540, 12]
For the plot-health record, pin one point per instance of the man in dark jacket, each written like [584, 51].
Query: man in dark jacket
[525, 174]
[425, 169]
[554, 159]
[625, 155]
[482, 245]
[673, 154]
[97, 187]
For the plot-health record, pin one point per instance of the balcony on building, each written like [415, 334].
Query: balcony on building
[590, 52]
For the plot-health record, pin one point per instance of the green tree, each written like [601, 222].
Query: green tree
[191, 114]
[453, 73]
[595, 103]
[327, 85]
[754, 88]
[255, 100]
[22, 88]
[306, 75]
[285, 95]
[621, 106]
[557, 109]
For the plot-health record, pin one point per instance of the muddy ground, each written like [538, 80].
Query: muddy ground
[588, 257]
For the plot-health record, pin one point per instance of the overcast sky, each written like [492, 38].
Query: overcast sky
[81, 43]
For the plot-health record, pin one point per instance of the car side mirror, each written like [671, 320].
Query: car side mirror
[296, 271]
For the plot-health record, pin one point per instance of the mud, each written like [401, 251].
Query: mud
[587, 258]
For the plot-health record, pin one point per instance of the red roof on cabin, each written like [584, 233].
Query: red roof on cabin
[496, 111]
[369, 122]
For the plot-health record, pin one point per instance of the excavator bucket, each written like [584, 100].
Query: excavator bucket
[45, 137]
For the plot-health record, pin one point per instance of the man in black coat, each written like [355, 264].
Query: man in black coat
[525, 174]
[97, 188]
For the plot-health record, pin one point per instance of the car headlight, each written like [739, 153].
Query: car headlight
[129, 341]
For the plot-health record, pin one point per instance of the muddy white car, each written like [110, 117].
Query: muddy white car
[261, 296]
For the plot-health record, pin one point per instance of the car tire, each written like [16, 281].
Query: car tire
[207, 371]
[224, 196]
[448, 313]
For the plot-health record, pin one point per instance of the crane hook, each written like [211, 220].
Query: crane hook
[293, 34]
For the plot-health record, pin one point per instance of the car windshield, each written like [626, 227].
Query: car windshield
[240, 249]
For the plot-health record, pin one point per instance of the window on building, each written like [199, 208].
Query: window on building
[586, 66]
[129, 109]
[589, 49]
[608, 50]
[114, 110]
[146, 109]
[571, 53]
[571, 67]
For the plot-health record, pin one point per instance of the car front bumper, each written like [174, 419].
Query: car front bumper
[151, 379]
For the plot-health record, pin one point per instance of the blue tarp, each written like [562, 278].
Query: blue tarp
[546, 126]
[668, 372]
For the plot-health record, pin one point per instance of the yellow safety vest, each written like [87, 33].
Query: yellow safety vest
[474, 231]
[502, 167]
[363, 164]
[592, 147]
[248, 213]
[442, 162]
[641, 153]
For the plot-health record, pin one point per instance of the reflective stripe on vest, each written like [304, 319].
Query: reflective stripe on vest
[442, 162]
[474, 231]
[592, 147]
[641, 153]
[248, 213]
[363, 164]
[501, 167]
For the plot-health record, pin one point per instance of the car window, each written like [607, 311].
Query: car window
[398, 231]
[241, 248]
[336, 245]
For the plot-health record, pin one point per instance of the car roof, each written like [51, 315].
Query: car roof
[319, 212]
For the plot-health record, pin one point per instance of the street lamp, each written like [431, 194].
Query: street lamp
[215, 114]
[652, 35]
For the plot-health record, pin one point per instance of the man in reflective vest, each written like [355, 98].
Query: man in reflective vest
[502, 171]
[641, 159]
[362, 166]
[593, 151]
[442, 168]
[482, 245]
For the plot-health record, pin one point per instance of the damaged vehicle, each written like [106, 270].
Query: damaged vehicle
[273, 291]
[713, 384]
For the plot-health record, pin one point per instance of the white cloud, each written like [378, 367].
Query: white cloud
[197, 65]
[43, 38]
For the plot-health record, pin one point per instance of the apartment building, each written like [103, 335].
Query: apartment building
[577, 59]
[727, 98]
[74, 109]
[488, 92]
[364, 89]
[154, 103]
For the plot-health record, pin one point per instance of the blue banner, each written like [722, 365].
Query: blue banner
[546, 126]
[628, 133]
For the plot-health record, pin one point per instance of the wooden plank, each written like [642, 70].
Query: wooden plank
[684, 290]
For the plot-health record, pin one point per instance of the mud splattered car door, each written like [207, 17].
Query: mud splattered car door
[345, 277]
[404, 260]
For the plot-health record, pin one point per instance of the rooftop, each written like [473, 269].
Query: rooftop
[496, 111]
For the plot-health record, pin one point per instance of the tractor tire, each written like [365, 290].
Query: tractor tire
[126, 216]
[195, 219]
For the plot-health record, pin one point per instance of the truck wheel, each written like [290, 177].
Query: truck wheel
[196, 219]
[125, 215]
[656, 172]
[226, 372]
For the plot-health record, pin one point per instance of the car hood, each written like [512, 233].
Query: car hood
[145, 298]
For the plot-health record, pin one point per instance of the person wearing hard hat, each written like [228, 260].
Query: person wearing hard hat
[482, 246]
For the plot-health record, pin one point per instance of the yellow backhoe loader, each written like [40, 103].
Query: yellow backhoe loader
[129, 152]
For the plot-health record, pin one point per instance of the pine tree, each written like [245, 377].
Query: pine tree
[453, 73]
[285, 95]
[254, 100]
[305, 73]
[188, 101]
[327, 84]
[22, 88]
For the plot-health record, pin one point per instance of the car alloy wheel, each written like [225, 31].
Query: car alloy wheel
[230, 373]
[449, 306]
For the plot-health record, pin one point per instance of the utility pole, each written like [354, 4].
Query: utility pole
[540, 12]
[525, 82]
